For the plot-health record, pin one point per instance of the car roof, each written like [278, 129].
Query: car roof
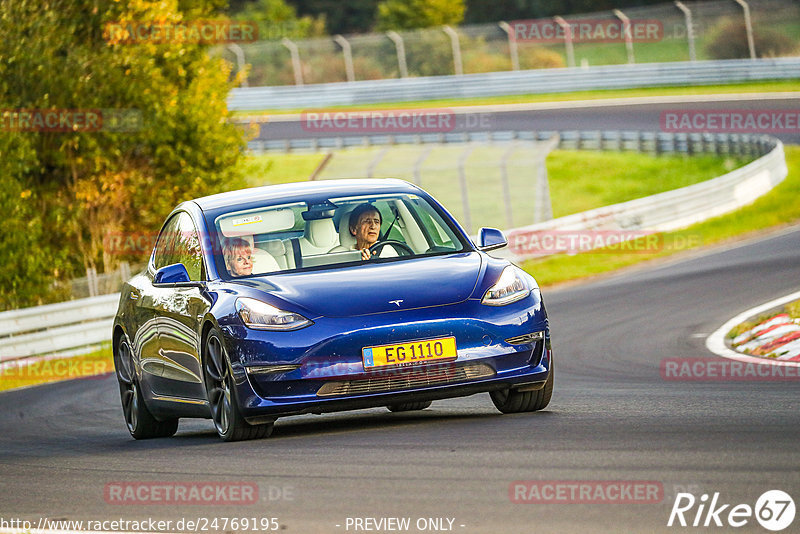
[303, 191]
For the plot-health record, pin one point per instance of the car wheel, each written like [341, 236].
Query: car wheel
[409, 406]
[221, 392]
[511, 401]
[141, 423]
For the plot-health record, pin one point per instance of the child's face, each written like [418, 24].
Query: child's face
[241, 262]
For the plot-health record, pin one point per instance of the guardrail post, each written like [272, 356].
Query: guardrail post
[626, 28]
[687, 13]
[348, 57]
[240, 60]
[567, 39]
[457, 66]
[748, 24]
[401, 52]
[512, 44]
[296, 65]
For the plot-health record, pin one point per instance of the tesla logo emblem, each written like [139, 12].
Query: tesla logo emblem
[396, 302]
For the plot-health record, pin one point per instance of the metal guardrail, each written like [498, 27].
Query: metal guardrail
[56, 328]
[514, 82]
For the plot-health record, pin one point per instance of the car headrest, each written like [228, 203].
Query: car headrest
[320, 232]
[346, 239]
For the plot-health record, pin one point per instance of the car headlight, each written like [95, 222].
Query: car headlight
[509, 288]
[262, 316]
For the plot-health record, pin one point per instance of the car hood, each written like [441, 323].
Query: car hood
[377, 287]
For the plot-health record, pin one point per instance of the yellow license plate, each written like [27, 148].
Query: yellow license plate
[409, 353]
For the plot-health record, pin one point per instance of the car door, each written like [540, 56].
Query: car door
[179, 312]
[145, 300]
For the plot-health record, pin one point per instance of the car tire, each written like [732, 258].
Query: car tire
[140, 422]
[511, 401]
[221, 392]
[409, 406]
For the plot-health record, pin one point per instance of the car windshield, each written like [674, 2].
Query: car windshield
[331, 232]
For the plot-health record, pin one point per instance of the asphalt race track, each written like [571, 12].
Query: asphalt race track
[612, 418]
[620, 115]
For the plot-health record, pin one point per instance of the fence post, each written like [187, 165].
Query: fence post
[626, 28]
[401, 52]
[91, 281]
[457, 66]
[687, 13]
[240, 60]
[348, 57]
[418, 164]
[462, 178]
[506, 187]
[512, 44]
[748, 24]
[124, 271]
[377, 159]
[567, 40]
[296, 65]
[543, 202]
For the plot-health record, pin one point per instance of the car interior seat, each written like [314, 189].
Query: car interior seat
[263, 261]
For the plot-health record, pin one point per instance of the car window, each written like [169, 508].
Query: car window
[187, 247]
[283, 232]
[162, 256]
[179, 242]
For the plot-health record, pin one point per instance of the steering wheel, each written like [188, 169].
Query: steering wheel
[399, 246]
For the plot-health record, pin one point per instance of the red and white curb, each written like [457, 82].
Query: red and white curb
[763, 337]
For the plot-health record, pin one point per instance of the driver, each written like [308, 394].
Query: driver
[365, 226]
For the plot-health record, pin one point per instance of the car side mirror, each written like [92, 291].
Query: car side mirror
[174, 275]
[491, 239]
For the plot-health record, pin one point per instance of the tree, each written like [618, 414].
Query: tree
[410, 14]
[65, 192]
[277, 19]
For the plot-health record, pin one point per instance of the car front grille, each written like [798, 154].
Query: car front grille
[395, 379]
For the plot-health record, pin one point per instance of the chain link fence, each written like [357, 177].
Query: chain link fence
[682, 31]
[94, 284]
[501, 185]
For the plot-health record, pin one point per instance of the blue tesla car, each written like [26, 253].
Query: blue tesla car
[318, 297]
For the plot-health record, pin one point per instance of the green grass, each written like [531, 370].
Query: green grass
[777, 208]
[95, 363]
[583, 180]
[736, 88]
[272, 169]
